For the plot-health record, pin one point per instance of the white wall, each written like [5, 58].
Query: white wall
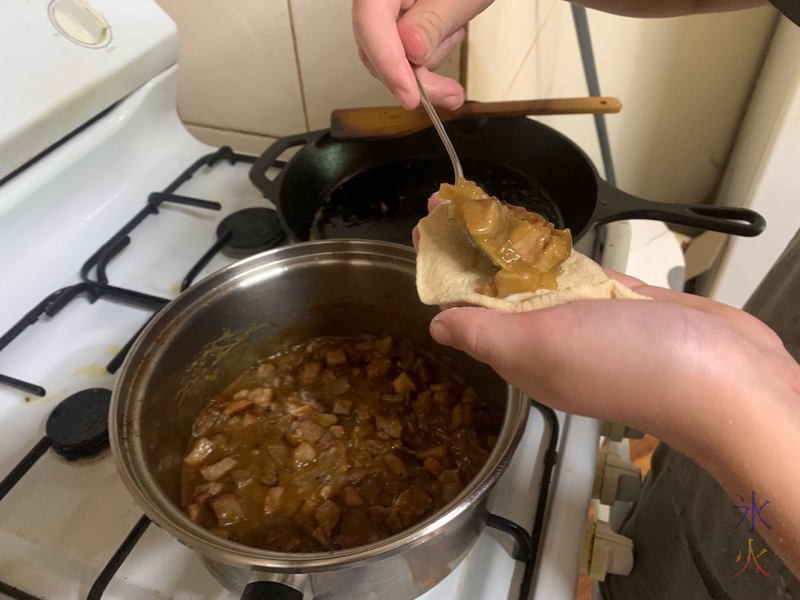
[254, 70]
[763, 173]
[684, 84]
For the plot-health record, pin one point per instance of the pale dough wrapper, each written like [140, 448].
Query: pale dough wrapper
[450, 270]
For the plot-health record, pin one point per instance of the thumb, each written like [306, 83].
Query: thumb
[529, 350]
[505, 341]
[428, 23]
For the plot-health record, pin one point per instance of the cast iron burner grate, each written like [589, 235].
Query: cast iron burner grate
[241, 234]
[78, 426]
[250, 231]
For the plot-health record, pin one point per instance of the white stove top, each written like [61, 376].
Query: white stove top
[61, 524]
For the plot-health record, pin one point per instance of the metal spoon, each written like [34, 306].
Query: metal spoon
[437, 123]
[459, 173]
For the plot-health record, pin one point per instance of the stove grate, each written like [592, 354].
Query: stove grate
[93, 288]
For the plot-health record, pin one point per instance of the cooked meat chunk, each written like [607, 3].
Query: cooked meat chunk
[266, 373]
[326, 441]
[335, 357]
[250, 419]
[228, 509]
[408, 508]
[272, 501]
[261, 397]
[310, 373]
[327, 515]
[241, 478]
[212, 488]
[218, 469]
[351, 497]
[269, 476]
[342, 407]
[461, 416]
[433, 466]
[451, 484]
[396, 465]
[325, 419]
[205, 421]
[195, 513]
[304, 453]
[433, 452]
[337, 387]
[379, 367]
[304, 431]
[238, 406]
[201, 450]
[389, 425]
[403, 384]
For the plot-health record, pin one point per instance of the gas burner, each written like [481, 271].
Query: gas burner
[78, 427]
[250, 231]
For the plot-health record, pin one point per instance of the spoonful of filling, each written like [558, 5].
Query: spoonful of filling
[525, 246]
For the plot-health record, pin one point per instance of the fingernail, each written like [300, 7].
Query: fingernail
[452, 102]
[439, 332]
[407, 100]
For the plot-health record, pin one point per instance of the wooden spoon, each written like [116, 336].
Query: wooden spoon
[395, 121]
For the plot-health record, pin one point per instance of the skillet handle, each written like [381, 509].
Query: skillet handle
[270, 188]
[270, 590]
[615, 205]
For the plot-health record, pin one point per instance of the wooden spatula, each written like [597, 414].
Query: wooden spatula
[395, 121]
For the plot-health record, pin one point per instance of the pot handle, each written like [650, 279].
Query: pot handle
[270, 590]
[258, 172]
[615, 205]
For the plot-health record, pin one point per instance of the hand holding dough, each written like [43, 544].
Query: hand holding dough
[450, 270]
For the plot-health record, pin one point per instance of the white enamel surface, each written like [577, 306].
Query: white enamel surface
[51, 85]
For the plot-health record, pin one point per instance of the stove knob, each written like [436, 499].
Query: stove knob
[80, 23]
[615, 479]
[605, 552]
[615, 432]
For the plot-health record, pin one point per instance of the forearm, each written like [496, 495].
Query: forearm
[668, 8]
[765, 460]
[749, 441]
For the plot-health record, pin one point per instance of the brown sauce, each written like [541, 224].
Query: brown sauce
[333, 444]
[526, 247]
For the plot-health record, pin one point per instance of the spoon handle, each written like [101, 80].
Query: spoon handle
[437, 123]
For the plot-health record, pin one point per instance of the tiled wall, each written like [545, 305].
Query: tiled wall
[255, 70]
[684, 84]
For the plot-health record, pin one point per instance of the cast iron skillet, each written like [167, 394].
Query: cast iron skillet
[379, 189]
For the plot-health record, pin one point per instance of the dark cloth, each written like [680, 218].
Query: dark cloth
[684, 525]
[789, 8]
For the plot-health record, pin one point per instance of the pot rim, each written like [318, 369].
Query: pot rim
[132, 466]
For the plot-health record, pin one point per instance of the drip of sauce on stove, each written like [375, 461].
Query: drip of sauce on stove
[526, 247]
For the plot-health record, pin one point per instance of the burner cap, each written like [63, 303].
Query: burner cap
[252, 230]
[78, 427]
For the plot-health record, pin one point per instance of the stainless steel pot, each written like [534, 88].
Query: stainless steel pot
[209, 334]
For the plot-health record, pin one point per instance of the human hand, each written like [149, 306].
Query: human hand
[708, 379]
[666, 366]
[390, 34]
[602, 358]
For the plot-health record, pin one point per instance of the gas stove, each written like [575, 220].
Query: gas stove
[101, 231]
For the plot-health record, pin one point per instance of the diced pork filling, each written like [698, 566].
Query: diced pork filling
[334, 444]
